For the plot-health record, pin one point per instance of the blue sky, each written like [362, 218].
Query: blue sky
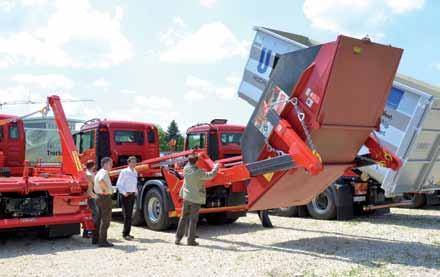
[155, 61]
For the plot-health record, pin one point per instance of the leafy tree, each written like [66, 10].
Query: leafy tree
[163, 139]
[173, 131]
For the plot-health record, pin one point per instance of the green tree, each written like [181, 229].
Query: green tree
[173, 132]
[162, 139]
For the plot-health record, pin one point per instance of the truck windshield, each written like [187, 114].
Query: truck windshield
[231, 138]
[123, 136]
[43, 145]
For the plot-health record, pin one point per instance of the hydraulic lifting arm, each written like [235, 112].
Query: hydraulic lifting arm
[71, 163]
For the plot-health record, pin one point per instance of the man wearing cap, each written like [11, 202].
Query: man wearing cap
[127, 188]
[193, 193]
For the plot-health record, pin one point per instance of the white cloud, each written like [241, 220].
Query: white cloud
[178, 21]
[127, 91]
[153, 102]
[437, 66]
[76, 35]
[199, 89]
[226, 92]
[47, 81]
[403, 6]
[208, 3]
[101, 83]
[194, 95]
[32, 3]
[211, 43]
[356, 17]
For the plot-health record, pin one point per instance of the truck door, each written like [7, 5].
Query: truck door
[213, 146]
[87, 146]
[102, 146]
[15, 144]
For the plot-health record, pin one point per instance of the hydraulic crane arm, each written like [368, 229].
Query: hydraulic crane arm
[71, 164]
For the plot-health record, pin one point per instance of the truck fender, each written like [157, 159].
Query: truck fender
[161, 185]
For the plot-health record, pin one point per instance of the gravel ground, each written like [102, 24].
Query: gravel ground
[404, 243]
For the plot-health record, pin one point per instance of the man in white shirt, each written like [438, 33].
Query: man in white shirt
[103, 189]
[127, 188]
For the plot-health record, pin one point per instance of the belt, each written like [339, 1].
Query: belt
[102, 195]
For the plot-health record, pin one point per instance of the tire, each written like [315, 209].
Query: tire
[323, 206]
[287, 212]
[155, 215]
[418, 200]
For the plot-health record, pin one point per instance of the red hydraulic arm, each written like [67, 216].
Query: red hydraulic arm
[382, 155]
[71, 163]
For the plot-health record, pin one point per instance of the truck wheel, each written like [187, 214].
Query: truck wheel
[287, 212]
[323, 206]
[155, 214]
[417, 200]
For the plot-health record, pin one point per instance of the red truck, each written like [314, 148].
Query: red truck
[50, 197]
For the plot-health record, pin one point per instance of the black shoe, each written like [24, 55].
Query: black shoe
[86, 234]
[106, 244]
[128, 237]
[94, 241]
[192, 243]
[177, 242]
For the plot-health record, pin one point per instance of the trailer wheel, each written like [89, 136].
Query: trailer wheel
[323, 206]
[287, 211]
[417, 200]
[155, 214]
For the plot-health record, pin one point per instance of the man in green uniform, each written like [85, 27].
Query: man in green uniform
[193, 193]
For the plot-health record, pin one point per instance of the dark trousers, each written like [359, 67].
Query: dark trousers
[127, 212]
[104, 203]
[188, 221]
[92, 205]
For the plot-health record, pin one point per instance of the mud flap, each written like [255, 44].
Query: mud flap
[344, 201]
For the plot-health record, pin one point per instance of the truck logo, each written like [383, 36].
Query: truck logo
[263, 63]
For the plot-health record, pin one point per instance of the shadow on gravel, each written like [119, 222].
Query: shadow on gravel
[29, 243]
[15, 244]
[407, 220]
[361, 251]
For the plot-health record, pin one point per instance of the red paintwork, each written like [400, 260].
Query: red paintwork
[13, 149]
[145, 151]
[223, 150]
[67, 184]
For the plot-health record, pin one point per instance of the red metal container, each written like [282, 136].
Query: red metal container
[342, 89]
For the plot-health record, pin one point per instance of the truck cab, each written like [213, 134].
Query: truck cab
[116, 139]
[221, 139]
[12, 146]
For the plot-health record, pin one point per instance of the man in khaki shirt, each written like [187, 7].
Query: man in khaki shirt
[193, 193]
[103, 189]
